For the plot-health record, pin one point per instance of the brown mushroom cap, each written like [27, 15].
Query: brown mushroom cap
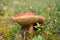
[28, 18]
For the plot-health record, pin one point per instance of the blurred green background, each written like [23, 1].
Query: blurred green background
[48, 8]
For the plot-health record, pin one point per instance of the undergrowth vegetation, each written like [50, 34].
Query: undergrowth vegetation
[50, 9]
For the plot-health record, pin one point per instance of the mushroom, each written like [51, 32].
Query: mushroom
[28, 19]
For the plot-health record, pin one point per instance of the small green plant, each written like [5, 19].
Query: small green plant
[37, 38]
[39, 28]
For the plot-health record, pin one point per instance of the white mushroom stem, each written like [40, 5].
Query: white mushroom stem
[25, 35]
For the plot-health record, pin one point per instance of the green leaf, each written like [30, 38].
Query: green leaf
[37, 38]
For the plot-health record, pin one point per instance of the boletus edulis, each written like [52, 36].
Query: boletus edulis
[28, 19]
